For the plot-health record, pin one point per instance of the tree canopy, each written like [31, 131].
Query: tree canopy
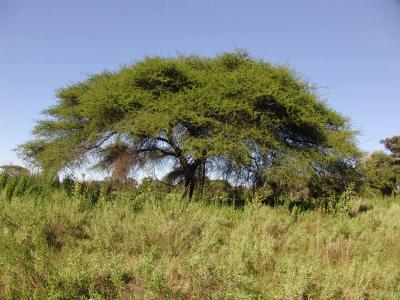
[393, 145]
[232, 115]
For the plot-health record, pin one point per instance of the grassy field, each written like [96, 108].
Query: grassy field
[147, 248]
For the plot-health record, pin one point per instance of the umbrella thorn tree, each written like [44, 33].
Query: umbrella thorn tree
[231, 115]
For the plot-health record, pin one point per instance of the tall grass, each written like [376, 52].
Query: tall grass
[147, 246]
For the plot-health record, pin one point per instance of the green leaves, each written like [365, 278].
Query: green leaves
[393, 145]
[381, 172]
[189, 111]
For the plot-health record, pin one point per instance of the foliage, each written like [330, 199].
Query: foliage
[13, 169]
[303, 177]
[381, 172]
[17, 183]
[393, 145]
[231, 115]
[146, 247]
[337, 204]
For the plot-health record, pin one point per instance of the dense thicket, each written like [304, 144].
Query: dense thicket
[231, 116]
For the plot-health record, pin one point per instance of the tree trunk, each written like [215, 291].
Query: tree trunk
[202, 175]
[190, 184]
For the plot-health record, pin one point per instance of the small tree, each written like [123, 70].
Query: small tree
[393, 145]
[381, 172]
[191, 116]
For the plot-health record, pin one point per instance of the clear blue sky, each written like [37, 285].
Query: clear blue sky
[351, 49]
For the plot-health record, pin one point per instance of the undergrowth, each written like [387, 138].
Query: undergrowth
[147, 246]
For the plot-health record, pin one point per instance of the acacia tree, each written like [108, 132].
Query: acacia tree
[231, 115]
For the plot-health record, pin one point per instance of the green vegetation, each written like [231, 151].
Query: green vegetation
[152, 246]
[278, 202]
[257, 128]
[382, 171]
[231, 116]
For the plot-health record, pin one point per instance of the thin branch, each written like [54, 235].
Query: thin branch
[102, 141]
